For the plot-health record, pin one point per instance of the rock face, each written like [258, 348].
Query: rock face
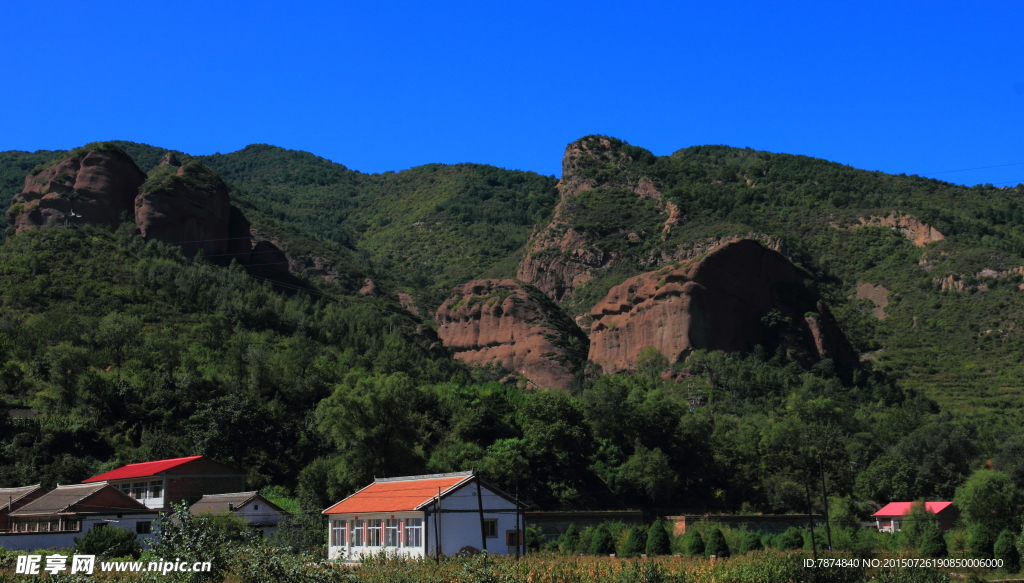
[95, 184]
[878, 295]
[505, 322]
[189, 208]
[559, 259]
[918, 233]
[739, 295]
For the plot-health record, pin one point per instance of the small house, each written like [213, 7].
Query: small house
[422, 516]
[13, 499]
[890, 518]
[262, 515]
[54, 519]
[161, 483]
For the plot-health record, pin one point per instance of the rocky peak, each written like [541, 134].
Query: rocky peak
[917, 232]
[511, 324]
[188, 207]
[93, 184]
[169, 159]
[736, 296]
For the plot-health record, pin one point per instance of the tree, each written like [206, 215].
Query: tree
[193, 538]
[989, 498]
[570, 540]
[980, 543]
[716, 544]
[601, 542]
[651, 362]
[1005, 550]
[634, 545]
[649, 473]
[109, 542]
[657, 540]
[932, 542]
[791, 539]
[914, 525]
[117, 333]
[693, 544]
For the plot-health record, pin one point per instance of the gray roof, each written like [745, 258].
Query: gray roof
[11, 495]
[224, 503]
[68, 499]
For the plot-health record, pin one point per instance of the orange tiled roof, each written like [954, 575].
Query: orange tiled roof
[398, 495]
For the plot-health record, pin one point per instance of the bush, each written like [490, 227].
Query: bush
[601, 542]
[750, 541]
[932, 543]
[569, 542]
[109, 542]
[693, 544]
[1006, 550]
[791, 539]
[716, 544]
[658, 542]
[634, 545]
[980, 543]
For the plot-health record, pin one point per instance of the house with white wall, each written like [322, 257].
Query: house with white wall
[12, 499]
[158, 484]
[423, 516]
[53, 520]
[262, 515]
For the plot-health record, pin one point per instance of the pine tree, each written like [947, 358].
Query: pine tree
[693, 544]
[570, 540]
[657, 540]
[601, 542]
[634, 545]
[1006, 550]
[980, 543]
[751, 541]
[933, 544]
[717, 545]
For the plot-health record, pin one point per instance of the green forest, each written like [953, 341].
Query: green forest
[129, 351]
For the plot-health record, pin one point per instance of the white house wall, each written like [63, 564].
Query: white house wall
[31, 541]
[264, 519]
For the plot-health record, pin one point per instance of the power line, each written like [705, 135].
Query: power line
[978, 168]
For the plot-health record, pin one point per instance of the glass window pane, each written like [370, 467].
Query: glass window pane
[414, 532]
[156, 489]
[391, 533]
[357, 533]
[373, 528]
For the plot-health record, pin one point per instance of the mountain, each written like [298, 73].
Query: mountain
[712, 315]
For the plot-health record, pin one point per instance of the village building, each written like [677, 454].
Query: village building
[423, 516]
[262, 515]
[54, 519]
[161, 483]
[892, 516]
[13, 499]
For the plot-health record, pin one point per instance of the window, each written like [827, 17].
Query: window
[156, 489]
[139, 490]
[358, 529]
[338, 532]
[512, 538]
[373, 528]
[491, 528]
[414, 532]
[255, 506]
[126, 488]
[144, 527]
[391, 532]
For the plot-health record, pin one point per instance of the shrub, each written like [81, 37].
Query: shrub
[932, 542]
[601, 542]
[634, 545]
[980, 543]
[693, 544]
[109, 542]
[657, 540]
[791, 539]
[750, 541]
[1006, 550]
[716, 544]
[569, 542]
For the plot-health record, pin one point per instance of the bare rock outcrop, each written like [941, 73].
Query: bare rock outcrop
[738, 295]
[877, 295]
[917, 232]
[189, 208]
[506, 322]
[94, 184]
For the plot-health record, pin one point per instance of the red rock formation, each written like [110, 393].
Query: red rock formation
[189, 208]
[718, 301]
[95, 184]
[239, 237]
[918, 233]
[878, 295]
[505, 322]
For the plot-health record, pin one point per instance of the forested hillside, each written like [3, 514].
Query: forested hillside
[128, 350]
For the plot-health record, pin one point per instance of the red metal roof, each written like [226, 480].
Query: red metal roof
[396, 496]
[903, 508]
[142, 470]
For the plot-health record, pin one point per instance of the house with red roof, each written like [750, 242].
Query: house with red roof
[161, 483]
[890, 518]
[423, 516]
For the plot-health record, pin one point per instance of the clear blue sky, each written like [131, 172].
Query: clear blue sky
[915, 87]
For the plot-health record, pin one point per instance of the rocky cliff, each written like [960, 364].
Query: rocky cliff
[505, 322]
[93, 184]
[738, 295]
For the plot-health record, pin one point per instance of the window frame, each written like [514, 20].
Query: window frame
[144, 527]
[374, 532]
[339, 526]
[358, 533]
[413, 535]
[490, 528]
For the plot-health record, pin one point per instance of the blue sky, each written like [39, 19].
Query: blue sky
[915, 87]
